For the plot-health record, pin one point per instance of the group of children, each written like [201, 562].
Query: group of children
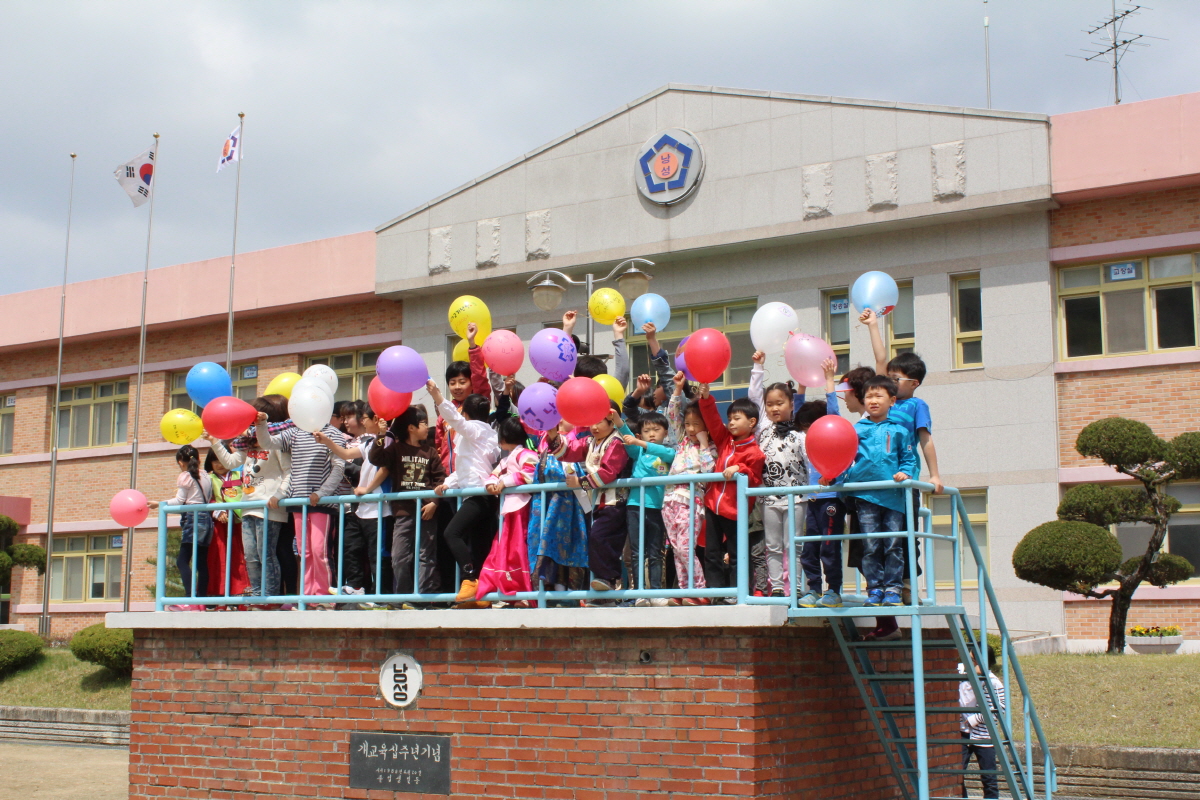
[509, 541]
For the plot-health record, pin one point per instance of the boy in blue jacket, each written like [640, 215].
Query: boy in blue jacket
[650, 458]
[885, 452]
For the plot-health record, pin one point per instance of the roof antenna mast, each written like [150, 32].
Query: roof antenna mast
[1114, 42]
[987, 57]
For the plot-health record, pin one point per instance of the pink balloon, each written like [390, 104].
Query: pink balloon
[503, 352]
[803, 355]
[129, 508]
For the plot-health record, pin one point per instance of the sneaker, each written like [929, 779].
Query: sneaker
[466, 593]
[778, 593]
[875, 597]
[287, 607]
[696, 601]
[759, 593]
[368, 606]
[809, 600]
[659, 602]
[830, 599]
[601, 585]
[673, 601]
[891, 598]
[642, 602]
[879, 635]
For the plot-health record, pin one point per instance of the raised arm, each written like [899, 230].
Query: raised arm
[881, 355]
[620, 351]
[755, 393]
[712, 418]
[268, 440]
[341, 451]
[231, 461]
[479, 381]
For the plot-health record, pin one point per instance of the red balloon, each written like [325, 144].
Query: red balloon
[227, 417]
[708, 354]
[582, 402]
[384, 402]
[831, 444]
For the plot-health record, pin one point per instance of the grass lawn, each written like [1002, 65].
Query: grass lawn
[1130, 700]
[59, 680]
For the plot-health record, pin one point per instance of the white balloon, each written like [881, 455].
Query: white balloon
[316, 383]
[771, 326]
[310, 406]
[323, 373]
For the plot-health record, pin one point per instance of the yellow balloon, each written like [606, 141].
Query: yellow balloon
[613, 386]
[468, 309]
[606, 305]
[461, 351]
[181, 426]
[282, 384]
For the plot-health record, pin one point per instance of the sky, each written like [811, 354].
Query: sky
[359, 111]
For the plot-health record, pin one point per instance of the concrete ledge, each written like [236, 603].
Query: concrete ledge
[560, 618]
[68, 725]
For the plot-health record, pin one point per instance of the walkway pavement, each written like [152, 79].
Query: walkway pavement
[64, 772]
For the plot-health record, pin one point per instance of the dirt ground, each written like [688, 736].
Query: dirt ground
[63, 772]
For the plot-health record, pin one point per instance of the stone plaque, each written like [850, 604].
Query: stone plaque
[400, 762]
[400, 679]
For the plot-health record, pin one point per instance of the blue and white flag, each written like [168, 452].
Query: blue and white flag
[137, 177]
[232, 151]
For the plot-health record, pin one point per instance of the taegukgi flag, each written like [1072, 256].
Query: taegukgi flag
[232, 151]
[137, 177]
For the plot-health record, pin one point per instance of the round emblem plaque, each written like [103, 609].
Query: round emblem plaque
[669, 166]
[400, 680]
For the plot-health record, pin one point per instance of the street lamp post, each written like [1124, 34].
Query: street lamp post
[632, 283]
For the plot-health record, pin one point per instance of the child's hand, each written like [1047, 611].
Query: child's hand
[703, 390]
[314, 499]
[472, 331]
[938, 486]
[222, 516]
[152, 505]
[649, 328]
[825, 481]
[680, 381]
[573, 481]
[434, 392]
[729, 472]
[322, 438]
[868, 317]
[208, 437]
[643, 385]
[440, 490]
[428, 510]
[830, 367]
[759, 357]
[509, 380]
[359, 491]
[260, 417]
[273, 502]
[619, 326]
[495, 488]
[632, 441]
[899, 476]
[702, 438]
[568, 321]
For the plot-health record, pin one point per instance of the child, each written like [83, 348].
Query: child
[593, 365]
[973, 726]
[603, 457]
[786, 465]
[737, 451]
[414, 465]
[651, 458]
[642, 398]
[558, 534]
[192, 489]
[470, 532]
[227, 531]
[506, 568]
[826, 514]
[462, 379]
[885, 452]
[694, 455]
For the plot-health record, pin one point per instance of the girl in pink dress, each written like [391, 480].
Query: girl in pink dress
[506, 569]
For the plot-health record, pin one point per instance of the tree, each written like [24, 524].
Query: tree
[1078, 552]
[29, 556]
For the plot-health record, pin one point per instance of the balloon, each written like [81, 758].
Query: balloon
[606, 305]
[831, 444]
[708, 354]
[876, 291]
[206, 381]
[462, 351]
[324, 374]
[651, 308]
[129, 508]
[612, 387]
[181, 426]
[401, 369]
[552, 354]
[582, 402]
[681, 361]
[503, 352]
[538, 408]
[803, 355]
[310, 405]
[384, 402]
[467, 309]
[227, 417]
[771, 326]
[283, 383]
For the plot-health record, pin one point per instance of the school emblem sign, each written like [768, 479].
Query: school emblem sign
[669, 166]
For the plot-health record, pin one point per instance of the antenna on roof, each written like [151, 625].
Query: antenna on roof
[987, 57]
[1114, 42]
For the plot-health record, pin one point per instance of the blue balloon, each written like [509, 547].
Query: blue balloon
[207, 381]
[876, 291]
[650, 308]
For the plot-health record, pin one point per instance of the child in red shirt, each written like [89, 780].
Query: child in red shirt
[737, 451]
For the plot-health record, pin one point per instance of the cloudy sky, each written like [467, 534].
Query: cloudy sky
[358, 111]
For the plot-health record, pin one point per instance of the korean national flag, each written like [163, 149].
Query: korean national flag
[137, 177]
[232, 151]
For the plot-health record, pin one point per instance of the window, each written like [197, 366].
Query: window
[943, 551]
[732, 319]
[1138, 306]
[835, 304]
[354, 370]
[1183, 534]
[968, 321]
[93, 414]
[901, 323]
[8, 407]
[245, 386]
[84, 568]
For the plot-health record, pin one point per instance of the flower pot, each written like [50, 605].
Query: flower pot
[1150, 645]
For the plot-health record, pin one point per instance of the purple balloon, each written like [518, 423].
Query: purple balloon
[681, 362]
[401, 369]
[538, 407]
[552, 354]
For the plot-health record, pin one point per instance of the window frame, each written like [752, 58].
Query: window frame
[112, 555]
[356, 373]
[1148, 287]
[962, 338]
[116, 399]
[1185, 508]
[8, 423]
[900, 344]
[841, 352]
[935, 520]
[669, 338]
[177, 391]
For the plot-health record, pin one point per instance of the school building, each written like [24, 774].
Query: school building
[1045, 263]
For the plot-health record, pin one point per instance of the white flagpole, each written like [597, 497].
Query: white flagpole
[237, 195]
[44, 620]
[137, 403]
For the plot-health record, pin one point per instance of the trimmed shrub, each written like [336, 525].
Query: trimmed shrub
[108, 647]
[18, 648]
[5, 567]
[1169, 569]
[1120, 442]
[1104, 505]
[1068, 556]
[1184, 454]
[29, 556]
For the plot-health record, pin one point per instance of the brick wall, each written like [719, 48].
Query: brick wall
[1153, 395]
[1128, 217]
[1089, 619]
[533, 713]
